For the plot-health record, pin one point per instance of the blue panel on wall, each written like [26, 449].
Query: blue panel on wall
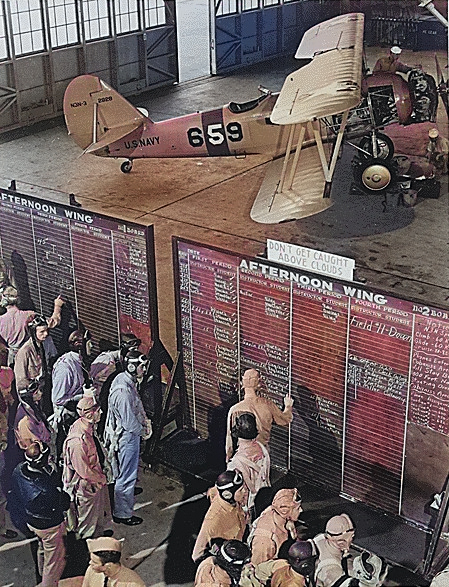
[292, 29]
[311, 13]
[160, 52]
[252, 37]
[228, 42]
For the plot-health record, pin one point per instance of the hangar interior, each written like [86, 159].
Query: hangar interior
[174, 58]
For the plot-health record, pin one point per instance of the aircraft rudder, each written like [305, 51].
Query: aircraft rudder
[92, 108]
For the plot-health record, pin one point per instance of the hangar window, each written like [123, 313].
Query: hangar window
[126, 16]
[154, 13]
[250, 5]
[96, 19]
[27, 29]
[3, 43]
[63, 23]
[270, 2]
[223, 7]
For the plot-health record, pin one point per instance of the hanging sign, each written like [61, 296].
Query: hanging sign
[311, 260]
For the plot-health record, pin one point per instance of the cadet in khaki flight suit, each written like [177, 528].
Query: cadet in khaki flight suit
[225, 517]
[273, 526]
[265, 410]
[297, 571]
[224, 567]
[105, 568]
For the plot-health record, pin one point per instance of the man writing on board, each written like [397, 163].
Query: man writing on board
[264, 409]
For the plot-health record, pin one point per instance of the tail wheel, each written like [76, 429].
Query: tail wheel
[384, 146]
[375, 176]
[126, 166]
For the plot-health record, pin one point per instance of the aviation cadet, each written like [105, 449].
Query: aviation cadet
[333, 563]
[224, 567]
[13, 324]
[105, 367]
[34, 357]
[251, 458]
[30, 423]
[105, 568]
[4, 531]
[126, 423]
[275, 525]
[225, 517]
[70, 375]
[110, 360]
[264, 409]
[297, 571]
[83, 476]
[391, 63]
[6, 384]
[38, 497]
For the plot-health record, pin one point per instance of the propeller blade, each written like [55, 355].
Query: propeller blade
[439, 72]
[442, 86]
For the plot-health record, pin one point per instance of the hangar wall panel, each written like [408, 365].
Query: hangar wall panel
[368, 372]
[131, 62]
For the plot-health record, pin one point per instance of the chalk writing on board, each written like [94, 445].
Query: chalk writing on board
[67, 252]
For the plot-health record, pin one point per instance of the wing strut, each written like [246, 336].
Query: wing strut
[328, 168]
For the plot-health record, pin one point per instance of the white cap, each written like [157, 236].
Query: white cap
[396, 50]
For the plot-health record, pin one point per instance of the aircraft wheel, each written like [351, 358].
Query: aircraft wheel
[385, 147]
[375, 176]
[126, 166]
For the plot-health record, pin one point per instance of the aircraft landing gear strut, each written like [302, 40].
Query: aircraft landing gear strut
[126, 166]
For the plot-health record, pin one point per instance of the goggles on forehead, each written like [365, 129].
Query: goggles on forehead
[236, 481]
[44, 452]
[229, 559]
[340, 533]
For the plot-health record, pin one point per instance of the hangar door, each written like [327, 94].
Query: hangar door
[194, 43]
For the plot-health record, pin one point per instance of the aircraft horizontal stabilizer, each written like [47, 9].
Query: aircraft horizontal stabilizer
[303, 198]
[110, 136]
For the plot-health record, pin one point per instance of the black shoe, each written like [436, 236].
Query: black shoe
[108, 533]
[138, 490]
[133, 521]
[9, 534]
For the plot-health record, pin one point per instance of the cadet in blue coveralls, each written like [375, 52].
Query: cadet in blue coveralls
[125, 424]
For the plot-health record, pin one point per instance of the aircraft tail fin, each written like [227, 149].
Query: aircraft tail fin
[95, 113]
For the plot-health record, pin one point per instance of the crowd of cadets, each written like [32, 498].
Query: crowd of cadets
[77, 426]
[55, 407]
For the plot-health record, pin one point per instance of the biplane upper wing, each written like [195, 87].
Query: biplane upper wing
[330, 84]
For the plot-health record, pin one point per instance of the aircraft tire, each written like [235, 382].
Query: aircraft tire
[375, 176]
[126, 166]
[384, 144]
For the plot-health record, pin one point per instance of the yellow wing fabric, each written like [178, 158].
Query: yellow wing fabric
[304, 198]
[331, 83]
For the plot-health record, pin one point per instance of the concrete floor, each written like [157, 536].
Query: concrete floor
[402, 251]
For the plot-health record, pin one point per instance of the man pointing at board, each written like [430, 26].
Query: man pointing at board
[264, 409]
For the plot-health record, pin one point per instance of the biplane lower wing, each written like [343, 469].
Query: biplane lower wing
[303, 198]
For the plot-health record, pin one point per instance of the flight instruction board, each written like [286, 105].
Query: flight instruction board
[103, 267]
[368, 372]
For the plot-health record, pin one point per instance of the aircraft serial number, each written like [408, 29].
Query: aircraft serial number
[105, 99]
[215, 134]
